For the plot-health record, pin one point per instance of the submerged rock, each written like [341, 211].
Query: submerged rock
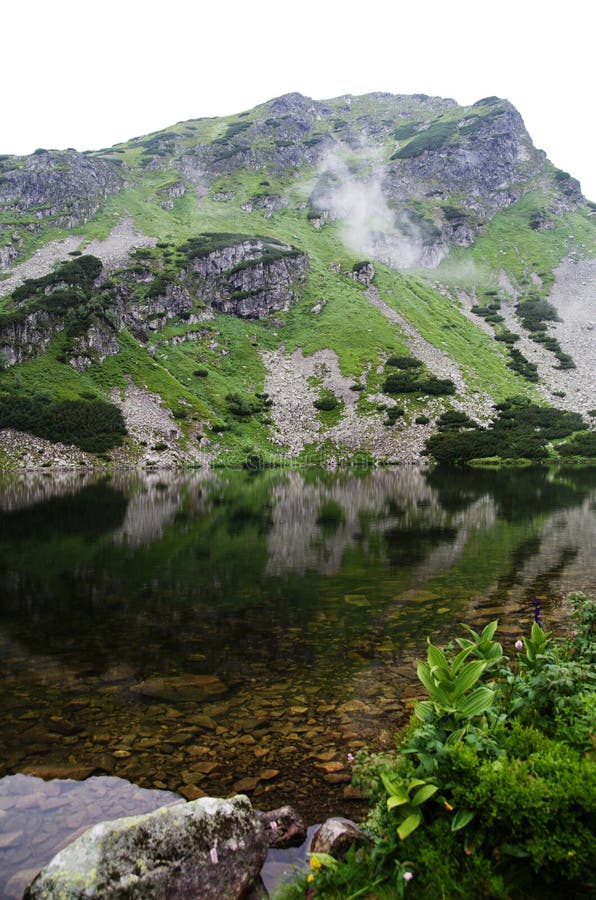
[181, 687]
[209, 848]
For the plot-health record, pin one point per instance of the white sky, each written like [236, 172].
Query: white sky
[87, 75]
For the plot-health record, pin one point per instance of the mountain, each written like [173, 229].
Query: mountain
[314, 280]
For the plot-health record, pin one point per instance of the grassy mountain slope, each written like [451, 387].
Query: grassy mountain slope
[232, 338]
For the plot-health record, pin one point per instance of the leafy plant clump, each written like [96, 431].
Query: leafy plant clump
[492, 786]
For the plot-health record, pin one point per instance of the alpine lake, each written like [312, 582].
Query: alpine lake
[221, 632]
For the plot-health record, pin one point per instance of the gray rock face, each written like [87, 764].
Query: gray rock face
[209, 848]
[64, 186]
[28, 336]
[495, 159]
[152, 313]
[250, 278]
[8, 254]
[98, 342]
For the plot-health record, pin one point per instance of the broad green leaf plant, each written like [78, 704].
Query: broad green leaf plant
[451, 685]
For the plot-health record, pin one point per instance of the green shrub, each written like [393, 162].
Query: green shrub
[93, 425]
[406, 383]
[242, 406]
[507, 337]
[454, 420]
[522, 366]
[520, 430]
[393, 414]
[406, 131]
[404, 362]
[535, 312]
[326, 403]
[580, 445]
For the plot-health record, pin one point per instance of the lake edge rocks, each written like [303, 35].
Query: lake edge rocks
[213, 845]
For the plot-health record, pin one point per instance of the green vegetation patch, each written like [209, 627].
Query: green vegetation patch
[435, 136]
[492, 788]
[93, 425]
[520, 430]
[409, 383]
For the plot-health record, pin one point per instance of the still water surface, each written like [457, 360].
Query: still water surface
[222, 632]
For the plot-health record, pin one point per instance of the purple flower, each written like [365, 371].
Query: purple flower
[350, 757]
[537, 614]
[408, 876]
[519, 645]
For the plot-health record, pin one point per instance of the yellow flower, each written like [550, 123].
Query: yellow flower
[310, 879]
[571, 853]
[315, 864]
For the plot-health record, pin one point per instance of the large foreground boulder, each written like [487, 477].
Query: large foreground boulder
[209, 848]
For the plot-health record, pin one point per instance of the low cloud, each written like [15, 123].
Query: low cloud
[349, 188]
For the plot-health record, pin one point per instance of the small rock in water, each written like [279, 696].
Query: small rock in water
[330, 766]
[336, 836]
[284, 827]
[246, 784]
[191, 792]
[268, 774]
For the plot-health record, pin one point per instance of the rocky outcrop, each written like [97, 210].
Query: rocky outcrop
[27, 335]
[93, 346]
[208, 848]
[157, 307]
[65, 187]
[364, 272]
[249, 278]
[170, 193]
[9, 253]
[265, 203]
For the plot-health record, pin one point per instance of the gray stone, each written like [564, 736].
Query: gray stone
[284, 827]
[336, 836]
[209, 848]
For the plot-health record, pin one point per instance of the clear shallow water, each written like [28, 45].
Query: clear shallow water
[222, 632]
